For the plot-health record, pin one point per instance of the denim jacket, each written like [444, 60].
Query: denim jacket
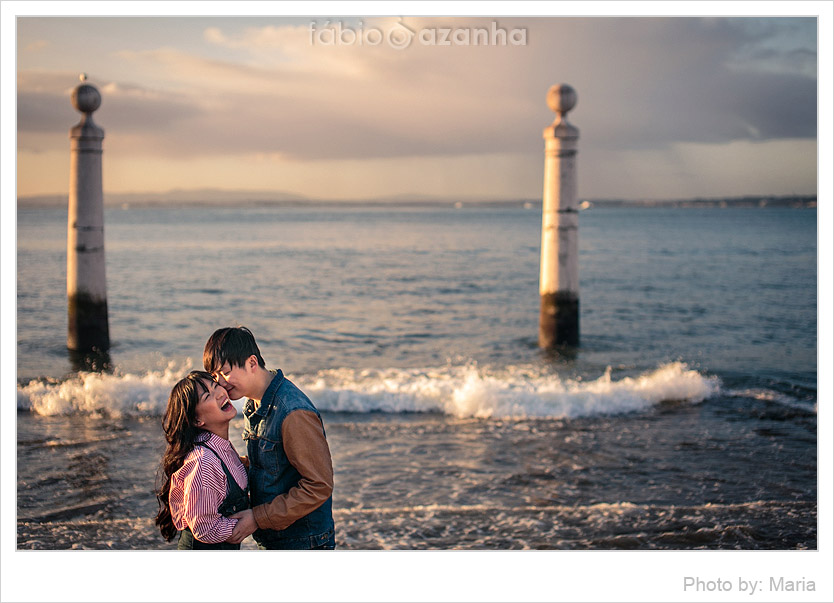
[270, 472]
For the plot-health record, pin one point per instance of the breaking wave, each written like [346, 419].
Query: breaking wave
[456, 390]
[514, 392]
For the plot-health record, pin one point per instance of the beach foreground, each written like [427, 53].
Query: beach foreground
[435, 482]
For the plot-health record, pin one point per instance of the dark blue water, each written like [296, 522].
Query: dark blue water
[732, 290]
[685, 419]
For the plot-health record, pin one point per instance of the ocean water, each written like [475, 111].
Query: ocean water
[686, 419]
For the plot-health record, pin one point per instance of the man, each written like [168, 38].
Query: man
[290, 470]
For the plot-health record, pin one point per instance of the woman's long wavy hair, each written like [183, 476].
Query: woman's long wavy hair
[179, 425]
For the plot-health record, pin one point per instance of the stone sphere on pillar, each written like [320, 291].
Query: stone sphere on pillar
[561, 98]
[86, 97]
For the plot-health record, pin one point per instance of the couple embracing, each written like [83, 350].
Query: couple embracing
[281, 492]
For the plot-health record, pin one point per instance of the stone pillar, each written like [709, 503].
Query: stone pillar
[86, 284]
[559, 278]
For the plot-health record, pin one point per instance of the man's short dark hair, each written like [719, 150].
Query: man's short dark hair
[230, 344]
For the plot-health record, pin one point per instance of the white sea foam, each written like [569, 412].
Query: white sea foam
[457, 390]
[95, 393]
[515, 392]
[768, 395]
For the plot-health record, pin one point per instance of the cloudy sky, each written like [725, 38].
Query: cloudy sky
[667, 107]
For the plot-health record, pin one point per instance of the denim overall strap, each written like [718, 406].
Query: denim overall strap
[237, 499]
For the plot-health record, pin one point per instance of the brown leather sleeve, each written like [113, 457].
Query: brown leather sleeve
[308, 452]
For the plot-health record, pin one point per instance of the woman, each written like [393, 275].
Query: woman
[205, 480]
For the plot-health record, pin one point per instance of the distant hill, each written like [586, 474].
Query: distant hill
[177, 196]
[216, 197]
[219, 197]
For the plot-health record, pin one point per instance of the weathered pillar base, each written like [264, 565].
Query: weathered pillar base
[88, 329]
[95, 361]
[559, 320]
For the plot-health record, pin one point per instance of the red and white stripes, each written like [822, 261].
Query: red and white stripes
[199, 486]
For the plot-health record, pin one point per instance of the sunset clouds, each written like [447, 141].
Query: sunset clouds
[667, 106]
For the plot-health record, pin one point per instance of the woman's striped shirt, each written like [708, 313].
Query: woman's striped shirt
[199, 487]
